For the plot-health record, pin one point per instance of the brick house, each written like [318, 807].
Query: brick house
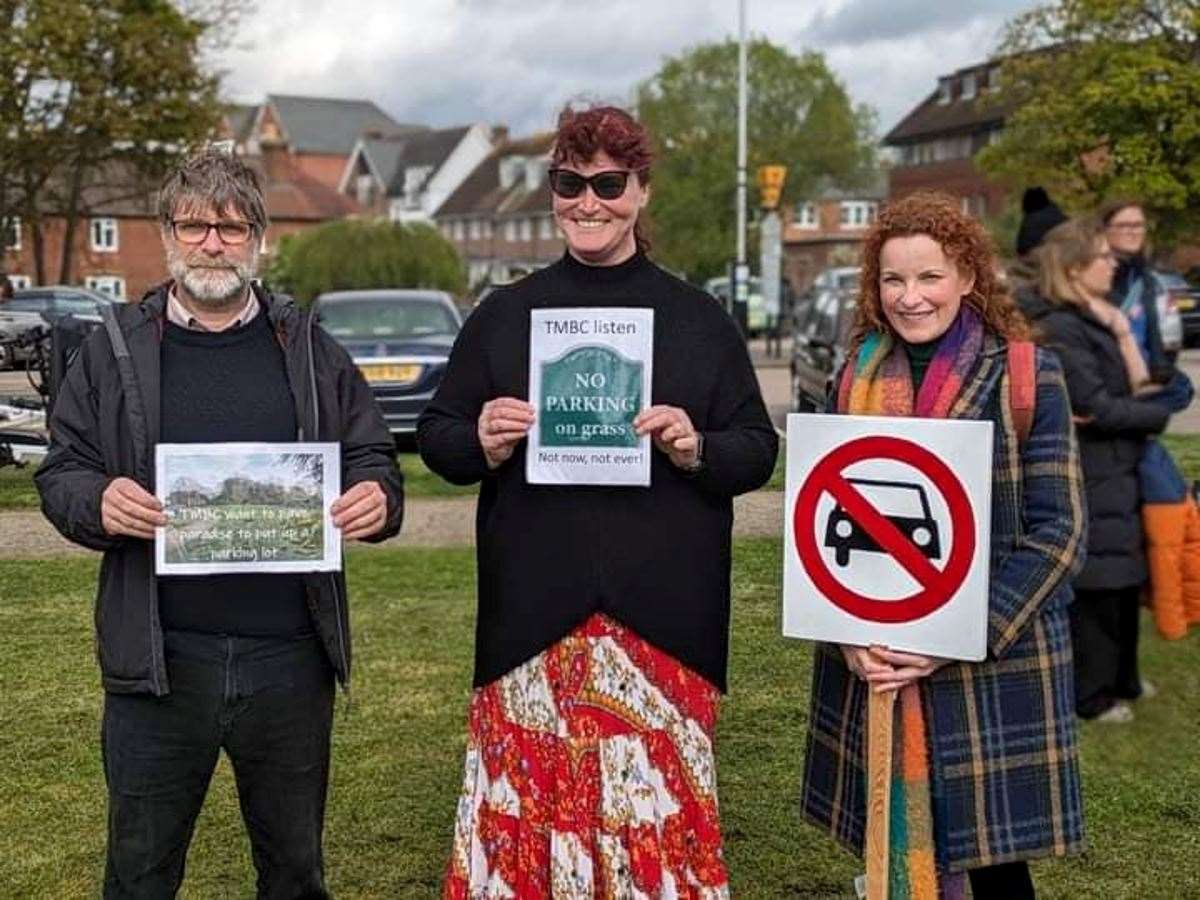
[118, 248]
[937, 141]
[500, 218]
[299, 146]
[407, 177]
[827, 229]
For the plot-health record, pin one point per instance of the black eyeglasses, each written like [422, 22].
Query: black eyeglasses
[195, 231]
[605, 185]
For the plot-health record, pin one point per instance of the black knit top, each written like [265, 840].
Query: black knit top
[656, 559]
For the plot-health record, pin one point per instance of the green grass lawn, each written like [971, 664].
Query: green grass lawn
[17, 490]
[398, 749]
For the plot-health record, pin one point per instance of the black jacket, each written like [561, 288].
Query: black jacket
[656, 559]
[100, 430]
[1110, 442]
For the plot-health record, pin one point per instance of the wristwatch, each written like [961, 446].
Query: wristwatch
[698, 463]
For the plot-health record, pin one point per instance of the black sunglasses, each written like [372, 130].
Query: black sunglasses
[605, 185]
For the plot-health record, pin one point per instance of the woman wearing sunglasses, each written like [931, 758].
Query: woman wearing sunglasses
[603, 620]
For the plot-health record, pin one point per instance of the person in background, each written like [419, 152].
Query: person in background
[6, 288]
[1107, 380]
[603, 626]
[1136, 289]
[987, 764]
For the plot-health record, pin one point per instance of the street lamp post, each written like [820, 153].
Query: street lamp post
[741, 272]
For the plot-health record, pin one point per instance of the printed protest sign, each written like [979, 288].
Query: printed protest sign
[887, 533]
[589, 377]
[246, 507]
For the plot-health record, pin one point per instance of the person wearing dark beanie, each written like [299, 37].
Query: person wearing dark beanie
[1038, 215]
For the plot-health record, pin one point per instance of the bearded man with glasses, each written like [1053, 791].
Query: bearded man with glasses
[193, 665]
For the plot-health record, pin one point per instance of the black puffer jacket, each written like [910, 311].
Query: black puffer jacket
[1110, 443]
[105, 426]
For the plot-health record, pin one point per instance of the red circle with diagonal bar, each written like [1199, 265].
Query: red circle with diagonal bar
[937, 587]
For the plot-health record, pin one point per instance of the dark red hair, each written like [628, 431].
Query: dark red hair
[582, 133]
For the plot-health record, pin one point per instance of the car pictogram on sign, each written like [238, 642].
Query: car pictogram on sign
[902, 503]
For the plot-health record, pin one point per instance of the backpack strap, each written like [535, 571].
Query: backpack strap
[133, 395]
[1022, 386]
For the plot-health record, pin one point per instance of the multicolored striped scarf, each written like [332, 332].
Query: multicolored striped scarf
[877, 381]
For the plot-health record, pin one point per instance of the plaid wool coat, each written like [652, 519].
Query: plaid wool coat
[1004, 761]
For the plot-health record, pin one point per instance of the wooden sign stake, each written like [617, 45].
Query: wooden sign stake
[880, 711]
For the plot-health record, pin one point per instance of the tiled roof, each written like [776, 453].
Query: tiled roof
[240, 119]
[932, 118]
[330, 125]
[390, 155]
[481, 193]
[826, 188]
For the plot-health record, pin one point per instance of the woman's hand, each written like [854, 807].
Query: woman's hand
[888, 670]
[503, 423]
[672, 432]
[907, 668]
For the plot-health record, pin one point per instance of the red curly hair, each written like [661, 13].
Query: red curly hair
[963, 240]
[582, 133]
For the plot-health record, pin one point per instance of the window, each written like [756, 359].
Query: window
[993, 78]
[20, 282]
[944, 91]
[486, 226]
[104, 235]
[527, 229]
[857, 213]
[113, 285]
[473, 229]
[546, 228]
[510, 231]
[968, 86]
[459, 230]
[806, 215]
[12, 234]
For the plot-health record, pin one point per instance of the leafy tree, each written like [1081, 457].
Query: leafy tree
[354, 254]
[98, 100]
[1106, 100]
[797, 114]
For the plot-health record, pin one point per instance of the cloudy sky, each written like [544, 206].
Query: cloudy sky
[447, 62]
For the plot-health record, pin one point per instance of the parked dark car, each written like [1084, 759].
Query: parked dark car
[55, 301]
[819, 344]
[1184, 296]
[400, 340]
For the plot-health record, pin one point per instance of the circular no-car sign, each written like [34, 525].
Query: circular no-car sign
[856, 524]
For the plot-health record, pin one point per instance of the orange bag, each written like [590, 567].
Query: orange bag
[1191, 564]
[1165, 525]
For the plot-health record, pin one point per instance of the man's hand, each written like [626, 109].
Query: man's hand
[127, 508]
[503, 423]
[361, 511]
[672, 432]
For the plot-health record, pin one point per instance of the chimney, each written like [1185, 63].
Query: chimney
[499, 134]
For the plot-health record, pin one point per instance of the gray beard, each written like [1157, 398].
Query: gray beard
[213, 288]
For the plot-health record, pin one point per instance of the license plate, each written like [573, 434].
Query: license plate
[398, 373]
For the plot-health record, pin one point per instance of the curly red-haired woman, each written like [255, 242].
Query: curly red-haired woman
[603, 612]
[987, 771]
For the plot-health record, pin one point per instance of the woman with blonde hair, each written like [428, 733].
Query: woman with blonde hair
[986, 770]
[1107, 379]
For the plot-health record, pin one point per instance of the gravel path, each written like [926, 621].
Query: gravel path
[427, 523]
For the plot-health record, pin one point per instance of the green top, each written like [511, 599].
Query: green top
[919, 358]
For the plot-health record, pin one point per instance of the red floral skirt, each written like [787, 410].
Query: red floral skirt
[590, 773]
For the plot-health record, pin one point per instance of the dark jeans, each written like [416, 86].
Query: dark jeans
[269, 704]
[1007, 881]
[1104, 632]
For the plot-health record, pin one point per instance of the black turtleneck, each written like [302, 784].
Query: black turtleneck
[657, 558]
[919, 358]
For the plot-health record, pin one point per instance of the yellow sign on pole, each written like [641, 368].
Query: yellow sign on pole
[770, 184]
